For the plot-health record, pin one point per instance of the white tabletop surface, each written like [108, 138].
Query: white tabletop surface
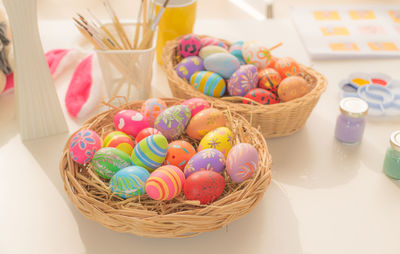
[325, 197]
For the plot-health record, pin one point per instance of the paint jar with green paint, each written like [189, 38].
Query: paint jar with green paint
[391, 164]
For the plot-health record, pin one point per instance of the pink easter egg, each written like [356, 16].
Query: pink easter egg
[84, 144]
[196, 105]
[151, 108]
[130, 121]
[189, 45]
[210, 41]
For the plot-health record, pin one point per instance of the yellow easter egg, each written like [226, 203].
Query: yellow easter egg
[220, 138]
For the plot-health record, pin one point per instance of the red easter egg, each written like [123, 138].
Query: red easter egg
[179, 153]
[205, 186]
[287, 66]
[262, 96]
[269, 79]
[145, 133]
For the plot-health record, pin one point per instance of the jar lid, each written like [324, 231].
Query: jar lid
[395, 140]
[353, 107]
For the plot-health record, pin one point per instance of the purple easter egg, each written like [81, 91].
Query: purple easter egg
[207, 159]
[208, 41]
[188, 66]
[172, 121]
[241, 162]
[243, 80]
[189, 45]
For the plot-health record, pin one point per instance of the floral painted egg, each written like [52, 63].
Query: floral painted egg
[207, 159]
[222, 63]
[120, 141]
[84, 144]
[172, 122]
[196, 105]
[209, 50]
[209, 83]
[151, 108]
[179, 153]
[210, 41]
[188, 66]
[205, 186]
[242, 162]
[257, 54]
[189, 45]
[109, 160]
[236, 50]
[220, 139]
[287, 66]
[145, 133]
[261, 96]
[165, 183]
[129, 182]
[130, 122]
[204, 122]
[269, 79]
[150, 152]
[292, 88]
[243, 80]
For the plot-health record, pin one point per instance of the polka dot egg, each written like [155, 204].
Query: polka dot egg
[189, 45]
[165, 183]
[84, 144]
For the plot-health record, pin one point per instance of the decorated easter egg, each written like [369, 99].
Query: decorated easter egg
[130, 122]
[129, 182]
[222, 63]
[209, 83]
[150, 152]
[172, 122]
[287, 66]
[209, 50]
[196, 105]
[145, 133]
[205, 186]
[189, 45]
[210, 41]
[120, 141]
[269, 79]
[179, 153]
[272, 62]
[151, 108]
[243, 80]
[207, 159]
[188, 66]
[109, 160]
[292, 88]
[242, 162]
[236, 50]
[261, 96]
[165, 183]
[84, 144]
[257, 54]
[204, 122]
[220, 138]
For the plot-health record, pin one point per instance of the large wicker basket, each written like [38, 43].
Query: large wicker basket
[164, 219]
[275, 120]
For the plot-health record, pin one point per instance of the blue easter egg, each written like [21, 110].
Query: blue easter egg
[236, 50]
[222, 63]
[129, 182]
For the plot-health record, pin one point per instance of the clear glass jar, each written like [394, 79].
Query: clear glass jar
[391, 164]
[350, 123]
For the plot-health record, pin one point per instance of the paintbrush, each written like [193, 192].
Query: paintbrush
[118, 27]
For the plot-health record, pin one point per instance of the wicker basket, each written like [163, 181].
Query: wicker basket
[275, 120]
[164, 219]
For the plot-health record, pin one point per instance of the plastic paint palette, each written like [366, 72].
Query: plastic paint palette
[379, 90]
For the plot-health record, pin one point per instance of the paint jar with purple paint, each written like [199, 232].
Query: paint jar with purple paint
[350, 123]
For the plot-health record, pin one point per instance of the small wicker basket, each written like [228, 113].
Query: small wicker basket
[275, 120]
[164, 219]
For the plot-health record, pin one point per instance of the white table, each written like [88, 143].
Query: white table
[326, 197]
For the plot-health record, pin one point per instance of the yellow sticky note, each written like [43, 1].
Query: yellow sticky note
[341, 46]
[335, 31]
[362, 14]
[326, 15]
[383, 46]
[395, 15]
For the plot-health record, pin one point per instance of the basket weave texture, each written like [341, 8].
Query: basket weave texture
[176, 218]
[275, 120]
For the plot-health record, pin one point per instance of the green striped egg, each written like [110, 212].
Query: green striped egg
[129, 182]
[209, 83]
[150, 152]
[109, 160]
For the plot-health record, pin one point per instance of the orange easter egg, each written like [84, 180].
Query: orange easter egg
[179, 153]
[286, 67]
[292, 88]
[269, 79]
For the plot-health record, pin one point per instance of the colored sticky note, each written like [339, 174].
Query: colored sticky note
[383, 46]
[342, 46]
[326, 15]
[371, 29]
[362, 14]
[335, 31]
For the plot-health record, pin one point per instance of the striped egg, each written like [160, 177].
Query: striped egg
[269, 79]
[150, 152]
[236, 50]
[129, 182]
[220, 138]
[109, 160]
[120, 141]
[242, 162]
[172, 122]
[196, 105]
[222, 63]
[151, 108]
[145, 133]
[179, 153]
[165, 183]
[209, 83]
